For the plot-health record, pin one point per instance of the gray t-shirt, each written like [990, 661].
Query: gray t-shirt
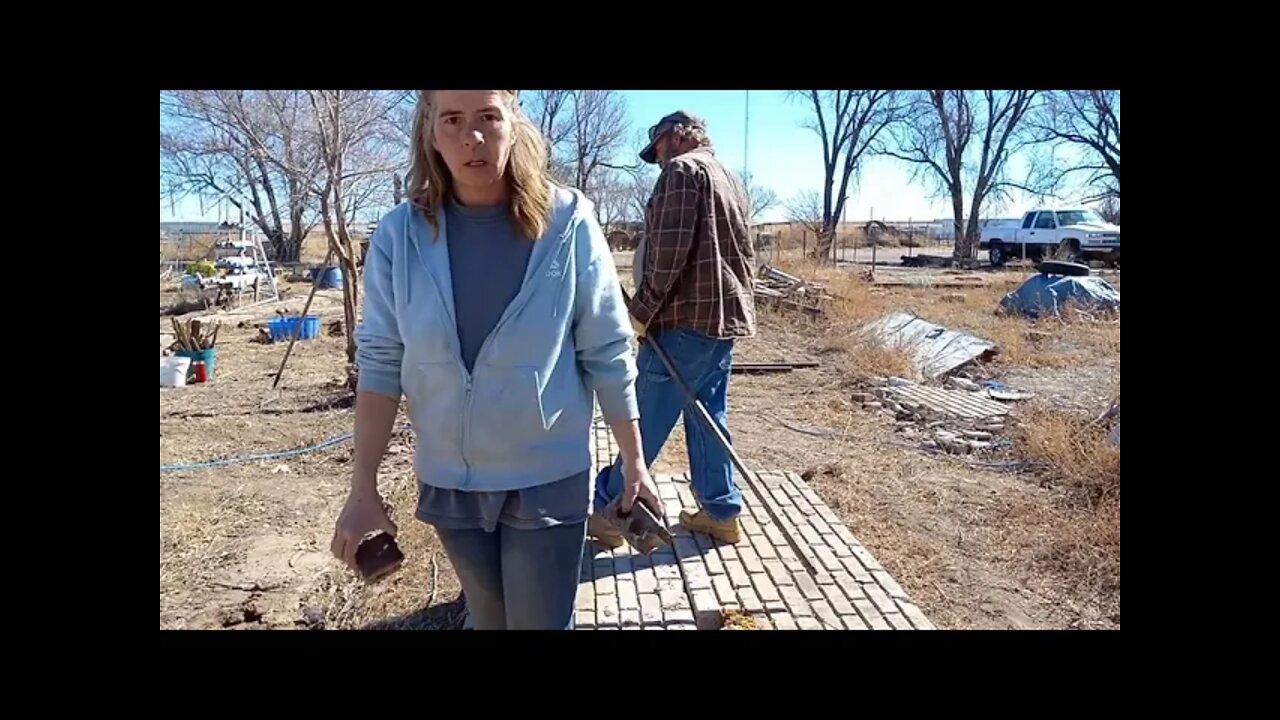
[487, 264]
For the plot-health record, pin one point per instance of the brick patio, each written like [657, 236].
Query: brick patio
[798, 567]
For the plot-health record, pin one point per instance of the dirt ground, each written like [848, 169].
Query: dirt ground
[977, 542]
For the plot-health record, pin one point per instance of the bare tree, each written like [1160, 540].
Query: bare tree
[1109, 209]
[252, 148]
[1087, 121]
[359, 151]
[550, 111]
[962, 138]
[598, 131]
[806, 208]
[759, 198]
[851, 124]
[639, 190]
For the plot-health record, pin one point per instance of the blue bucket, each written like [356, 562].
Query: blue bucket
[208, 356]
[281, 329]
[331, 277]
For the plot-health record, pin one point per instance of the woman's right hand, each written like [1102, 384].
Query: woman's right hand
[361, 515]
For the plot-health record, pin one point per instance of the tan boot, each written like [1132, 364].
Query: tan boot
[727, 531]
[604, 533]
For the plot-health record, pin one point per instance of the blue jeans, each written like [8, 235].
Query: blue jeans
[518, 579]
[703, 362]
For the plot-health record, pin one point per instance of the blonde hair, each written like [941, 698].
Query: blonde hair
[527, 173]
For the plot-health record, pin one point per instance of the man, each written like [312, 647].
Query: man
[694, 298]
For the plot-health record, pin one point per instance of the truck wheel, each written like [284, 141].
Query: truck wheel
[996, 255]
[1062, 267]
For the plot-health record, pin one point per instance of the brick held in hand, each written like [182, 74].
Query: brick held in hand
[378, 556]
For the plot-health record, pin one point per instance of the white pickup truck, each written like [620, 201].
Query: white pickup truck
[1082, 234]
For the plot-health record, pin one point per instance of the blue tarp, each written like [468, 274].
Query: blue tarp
[1044, 295]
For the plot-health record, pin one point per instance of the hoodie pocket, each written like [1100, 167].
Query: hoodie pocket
[506, 411]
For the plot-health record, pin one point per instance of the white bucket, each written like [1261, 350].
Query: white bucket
[173, 371]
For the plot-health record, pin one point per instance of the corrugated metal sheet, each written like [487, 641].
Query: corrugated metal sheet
[958, 403]
[935, 350]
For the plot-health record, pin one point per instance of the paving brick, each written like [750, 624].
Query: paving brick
[826, 513]
[586, 599]
[751, 602]
[603, 568]
[853, 622]
[682, 625]
[764, 587]
[822, 577]
[837, 546]
[628, 598]
[827, 615]
[871, 616]
[795, 601]
[669, 571]
[696, 577]
[650, 609]
[630, 619]
[624, 566]
[778, 573]
[607, 611]
[898, 621]
[805, 508]
[672, 594]
[808, 587]
[687, 547]
[850, 587]
[762, 621]
[796, 517]
[715, 566]
[810, 535]
[865, 557]
[605, 585]
[783, 621]
[750, 560]
[774, 533]
[751, 526]
[724, 589]
[584, 619]
[828, 558]
[820, 525]
[814, 498]
[786, 554]
[667, 491]
[646, 581]
[641, 561]
[706, 610]
[686, 496]
[808, 623]
[879, 597]
[679, 617]
[738, 574]
[654, 627]
[727, 552]
[780, 497]
[838, 601]
[760, 513]
[915, 616]
[855, 569]
[763, 547]
[774, 606]
[705, 543]
[842, 531]
[890, 586]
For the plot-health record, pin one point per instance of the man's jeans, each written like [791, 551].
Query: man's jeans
[703, 362]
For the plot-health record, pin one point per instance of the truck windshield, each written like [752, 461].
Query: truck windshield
[1076, 217]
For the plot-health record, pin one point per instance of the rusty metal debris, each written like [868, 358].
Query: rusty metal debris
[935, 350]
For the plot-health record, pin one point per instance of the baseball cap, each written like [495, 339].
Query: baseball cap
[664, 126]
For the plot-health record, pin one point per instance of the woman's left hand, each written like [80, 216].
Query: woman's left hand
[638, 484]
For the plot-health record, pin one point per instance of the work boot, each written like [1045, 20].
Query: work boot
[603, 532]
[726, 531]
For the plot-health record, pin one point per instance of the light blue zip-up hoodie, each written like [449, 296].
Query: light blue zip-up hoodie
[523, 416]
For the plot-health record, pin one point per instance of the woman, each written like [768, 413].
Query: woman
[492, 304]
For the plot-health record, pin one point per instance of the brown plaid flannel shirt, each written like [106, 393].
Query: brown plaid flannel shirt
[698, 257]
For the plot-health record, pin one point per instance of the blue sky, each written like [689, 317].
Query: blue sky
[782, 155]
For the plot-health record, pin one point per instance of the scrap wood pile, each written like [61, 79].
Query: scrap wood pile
[774, 287]
[193, 336]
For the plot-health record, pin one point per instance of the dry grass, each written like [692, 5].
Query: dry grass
[1079, 459]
